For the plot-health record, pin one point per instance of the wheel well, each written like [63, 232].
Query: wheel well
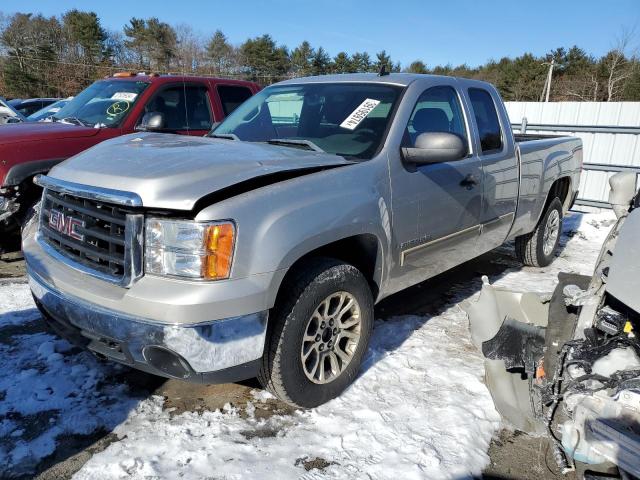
[29, 193]
[361, 251]
[560, 188]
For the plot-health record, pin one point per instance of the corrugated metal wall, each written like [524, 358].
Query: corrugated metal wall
[620, 148]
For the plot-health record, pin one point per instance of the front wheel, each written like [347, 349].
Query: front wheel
[537, 248]
[319, 332]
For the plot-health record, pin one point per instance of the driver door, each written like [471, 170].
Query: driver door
[437, 206]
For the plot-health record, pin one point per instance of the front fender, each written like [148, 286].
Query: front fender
[278, 224]
[23, 171]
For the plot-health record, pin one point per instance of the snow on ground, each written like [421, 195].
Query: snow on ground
[581, 242]
[47, 388]
[419, 408]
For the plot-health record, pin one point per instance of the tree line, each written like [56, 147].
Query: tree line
[60, 55]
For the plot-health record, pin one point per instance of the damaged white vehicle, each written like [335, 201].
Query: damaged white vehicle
[569, 366]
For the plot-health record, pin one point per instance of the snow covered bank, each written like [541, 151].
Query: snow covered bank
[418, 410]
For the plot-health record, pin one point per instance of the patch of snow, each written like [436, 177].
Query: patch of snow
[16, 304]
[262, 395]
[580, 244]
[47, 387]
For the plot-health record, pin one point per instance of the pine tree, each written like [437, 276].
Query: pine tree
[342, 63]
[264, 60]
[301, 59]
[219, 51]
[320, 62]
[417, 66]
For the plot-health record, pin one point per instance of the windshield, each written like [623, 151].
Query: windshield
[48, 111]
[342, 118]
[103, 104]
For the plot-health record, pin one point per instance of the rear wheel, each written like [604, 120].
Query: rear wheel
[537, 248]
[319, 332]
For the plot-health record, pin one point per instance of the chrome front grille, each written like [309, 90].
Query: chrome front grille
[101, 239]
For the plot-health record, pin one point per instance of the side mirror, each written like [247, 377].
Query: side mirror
[435, 147]
[152, 121]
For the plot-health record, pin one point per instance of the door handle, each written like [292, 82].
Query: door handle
[469, 182]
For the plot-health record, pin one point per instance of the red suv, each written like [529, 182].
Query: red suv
[114, 106]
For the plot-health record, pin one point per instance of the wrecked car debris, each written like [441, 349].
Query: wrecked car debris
[571, 367]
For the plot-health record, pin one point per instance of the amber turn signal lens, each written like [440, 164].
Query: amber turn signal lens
[219, 251]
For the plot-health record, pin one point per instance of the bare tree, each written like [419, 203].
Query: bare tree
[618, 66]
[190, 51]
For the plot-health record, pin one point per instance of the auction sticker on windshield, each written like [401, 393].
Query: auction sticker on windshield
[359, 114]
[128, 96]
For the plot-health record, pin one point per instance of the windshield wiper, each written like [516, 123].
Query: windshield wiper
[228, 136]
[308, 144]
[73, 121]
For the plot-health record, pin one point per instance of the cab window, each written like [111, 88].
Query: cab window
[484, 111]
[437, 110]
[232, 97]
[185, 107]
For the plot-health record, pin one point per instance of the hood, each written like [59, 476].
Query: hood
[175, 171]
[39, 131]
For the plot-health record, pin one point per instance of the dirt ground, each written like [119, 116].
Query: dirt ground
[514, 455]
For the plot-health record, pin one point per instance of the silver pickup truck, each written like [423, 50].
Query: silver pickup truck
[261, 249]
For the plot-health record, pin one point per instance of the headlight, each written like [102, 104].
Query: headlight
[189, 249]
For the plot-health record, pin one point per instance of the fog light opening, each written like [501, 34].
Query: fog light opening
[169, 363]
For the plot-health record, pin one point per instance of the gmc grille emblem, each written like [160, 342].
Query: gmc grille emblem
[66, 224]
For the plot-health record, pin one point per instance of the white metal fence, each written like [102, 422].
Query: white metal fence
[610, 132]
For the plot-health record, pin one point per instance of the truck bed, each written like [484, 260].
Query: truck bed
[542, 159]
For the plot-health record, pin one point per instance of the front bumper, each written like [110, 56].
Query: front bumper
[219, 351]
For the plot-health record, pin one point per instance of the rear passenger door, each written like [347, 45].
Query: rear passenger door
[186, 108]
[500, 166]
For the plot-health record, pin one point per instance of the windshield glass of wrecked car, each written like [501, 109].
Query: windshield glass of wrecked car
[342, 118]
[103, 104]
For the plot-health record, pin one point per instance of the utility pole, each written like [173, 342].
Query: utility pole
[553, 61]
[547, 83]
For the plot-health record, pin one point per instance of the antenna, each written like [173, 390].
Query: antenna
[383, 70]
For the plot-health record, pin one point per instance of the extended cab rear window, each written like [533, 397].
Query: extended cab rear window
[484, 111]
[232, 97]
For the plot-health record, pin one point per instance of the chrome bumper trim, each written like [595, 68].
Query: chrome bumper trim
[210, 347]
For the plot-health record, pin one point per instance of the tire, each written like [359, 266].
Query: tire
[533, 249]
[294, 318]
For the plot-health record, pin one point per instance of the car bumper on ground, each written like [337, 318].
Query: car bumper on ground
[215, 352]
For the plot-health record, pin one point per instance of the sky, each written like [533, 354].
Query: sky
[437, 32]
